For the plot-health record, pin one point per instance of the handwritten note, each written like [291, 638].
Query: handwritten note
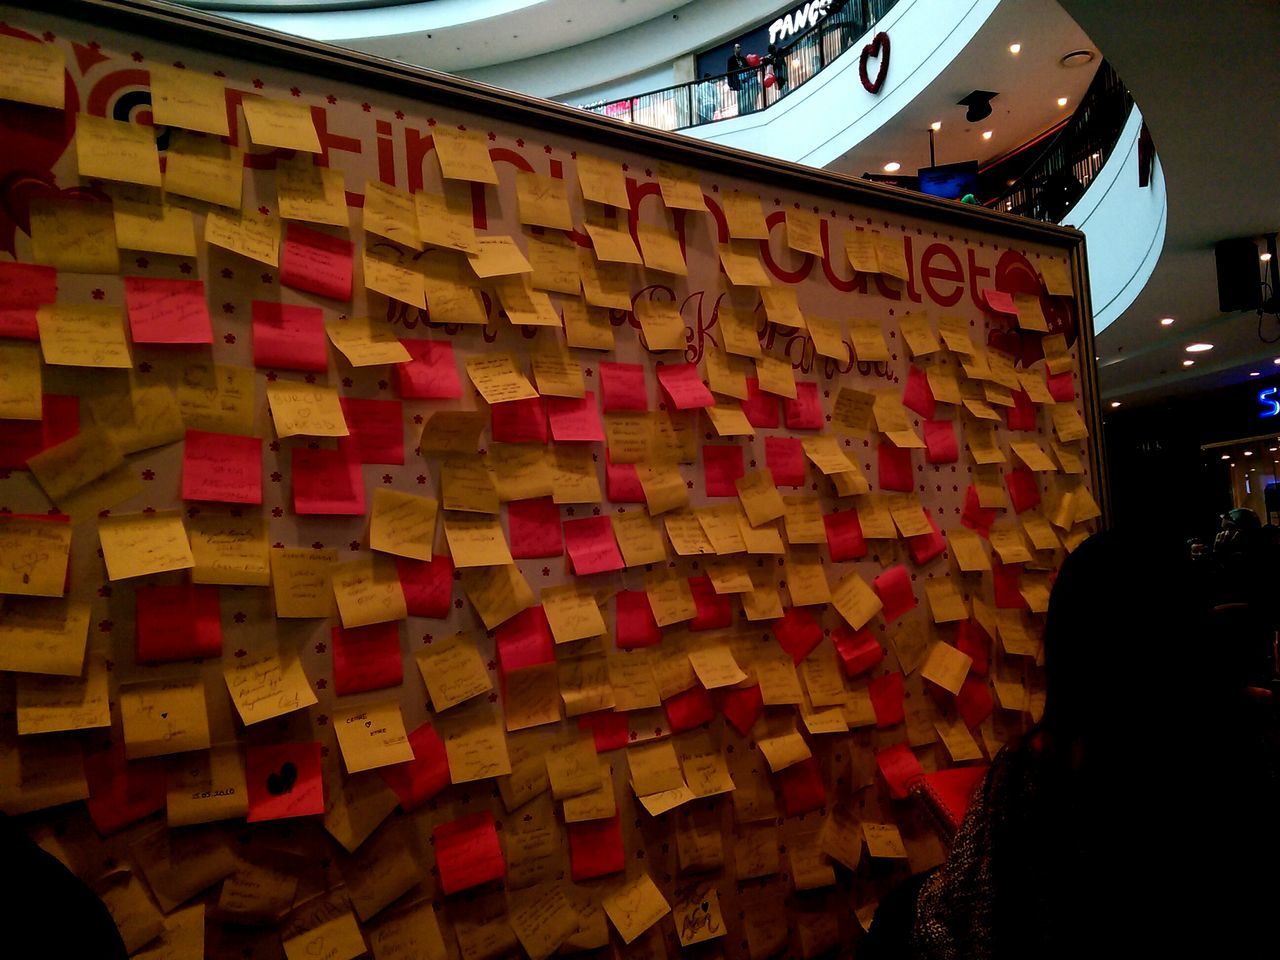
[33, 72]
[281, 123]
[368, 591]
[372, 736]
[83, 336]
[134, 545]
[305, 408]
[164, 717]
[267, 683]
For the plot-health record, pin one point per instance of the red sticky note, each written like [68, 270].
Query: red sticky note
[722, 464]
[120, 792]
[622, 387]
[534, 527]
[683, 385]
[1022, 415]
[917, 396]
[844, 536]
[973, 641]
[805, 411]
[742, 707]
[895, 467]
[575, 419]
[633, 622]
[377, 430]
[519, 421]
[427, 585]
[894, 589]
[1062, 386]
[22, 439]
[1000, 302]
[326, 482]
[900, 768]
[621, 482]
[525, 641]
[284, 780]
[974, 702]
[591, 546]
[1024, 489]
[802, 787]
[24, 287]
[167, 311]
[798, 632]
[784, 456]
[924, 547]
[182, 622]
[221, 468]
[714, 609]
[689, 709]
[887, 699]
[316, 262]
[859, 650]
[760, 408]
[289, 337]
[596, 848]
[1005, 582]
[610, 730]
[425, 775]
[940, 442]
[974, 515]
[366, 658]
[432, 374]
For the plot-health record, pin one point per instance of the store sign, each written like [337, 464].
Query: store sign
[1270, 405]
[798, 20]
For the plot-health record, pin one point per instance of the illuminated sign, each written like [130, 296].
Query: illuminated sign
[1270, 405]
[798, 20]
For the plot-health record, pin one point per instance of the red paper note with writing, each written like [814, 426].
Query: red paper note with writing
[1000, 302]
[575, 419]
[432, 374]
[525, 641]
[622, 387]
[634, 624]
[802, 787]
[1006, 585]
[940, 441]
[859, 650]
[425, 775]
[887, 698]
[760, 408]
[222, 468]
[288, 337]
[167, 311]
[924, 547]
[974, 515]
[689, 709]
[1024, 489]
[900, 769]
[917, 396]
[326, 482]
[120, 792]
[722, 464]
[973, 641]
[316, 262]
[366, 658]
[182, 622]
[683, 386]
[609, 730]
[24, 287]
[714, 610]
[784, 457]
[596, 849]
[519, 421]
[427, 585]
[377, 430]
[798, 632]
[1062, 386]
[468, 853]
[844, 536]
[534, 528]
[1022, 415]
[974, 702]
[22, 439]
[894, 589]
[742, 707]
[805, 411]
[284, 780]
[895, 467]
[591, 546]
[621, 482]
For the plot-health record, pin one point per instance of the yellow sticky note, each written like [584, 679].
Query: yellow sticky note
[32, 72]
[554, 260]
[265, 683]
[78, 236]
[945, 601]
[635, 906]
[660, 248]
[83, 336]
[301, 578]
[670, 598]
[20, 381]
[248, 234]
[543, 201]
[35, 556]
[855, 600]
[555, 371]
[639, 539]
[368, 591]
[50, 704]
[884, 841]
[475, 744]
[402, 524]
[497, 256]
[476, 540]
[336, 939]
[391, 213]
[464, 155]
[760, 498]
[117, 150]
[366, 342]
[308, 409]
[572, 613]
[312, 194]
[602, 180]
[44, 636]
[524, 305]
[776, 376]
[187, 99]
[216, 398]
[662, 325]
[452, 433]
[828, 337]
[946, 666]
[164, 717]
[612, 242]
[468, 486]
[498, 379]
[154, 227]
[392, 273]
[920, 338]
[453, 672]
[446, 220]
[451, 297]
[138, 544]
[744, 215]
[281, 123]
[204, 168]
[372, 736]
[741, 262]
[868, 340]
[966, 548]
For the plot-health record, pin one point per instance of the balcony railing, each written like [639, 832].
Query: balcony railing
[738, 94]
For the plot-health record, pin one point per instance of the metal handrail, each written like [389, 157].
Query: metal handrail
[736, 94]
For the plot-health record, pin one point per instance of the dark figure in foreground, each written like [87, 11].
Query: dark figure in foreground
[1139, 816]
[742, 78]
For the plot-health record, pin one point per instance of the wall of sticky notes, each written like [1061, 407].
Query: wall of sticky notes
[438, 524]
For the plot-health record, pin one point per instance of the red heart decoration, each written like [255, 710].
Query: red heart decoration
[878, 47]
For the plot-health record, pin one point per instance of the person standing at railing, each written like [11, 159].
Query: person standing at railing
[707, 99]
[742, 80]
[777, 59]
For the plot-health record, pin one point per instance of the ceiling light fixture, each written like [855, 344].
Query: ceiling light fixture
[1254, 373]
[978, 103]
[1166, 321]
[1199, 347]
[1188, 363]
[1226, 456]
[1077, 58]
[1265, 257]
[986, 134]
[1015, 48]
[1062, 101]
[1114, 404]
[936, 125]
[893, 166]
[1248, 453]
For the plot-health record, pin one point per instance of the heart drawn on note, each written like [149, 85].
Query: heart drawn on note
[282, 781]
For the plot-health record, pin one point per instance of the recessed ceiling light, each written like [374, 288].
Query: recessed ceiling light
[936, 125]
[1166, 321]
[893, 166]
[1271, 449]
[1265, 257]
[1254, 373]
[1077, 58]
[1226, 456]
[1062, 101]
[1199, 347]
[1015, 48]
[1114, 404]
[1188, 363]
[986, 134]
[1248, 453]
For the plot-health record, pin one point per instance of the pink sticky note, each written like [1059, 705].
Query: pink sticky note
[366, 658]
[722, 464]
[760, 408]
[1062, 386]
[1022, 415]
[844, 536]
[427, 585]
[900, 768]
[316, 262]
[784, 457]
[591, 546]
[425, 775]
[467, 852]
[973, 641]
[432, 374]
[167, 311]
[326, 482]
[1024, 489]
[22, 439]
[634, 624]
[924, 547]
[802, 788]
[1000, 302]
[805, 411]
[525, 641]
[1006, 580]
[742, 707]
[519, 421]
[284, 780]
[377, 430]
[974, 515]
[122, 793]
[622, 387]
[689, 709]
[610, 730]
[24, 287]
[182, 622]
[940, 441]
[575, 419]
[917, 396]
[859, 650]
[797, 632]
[894, 589]
[534, 528]
[895, 467]
[222, 468]
[887, 699]
[596, 848]
[621, 482]
[683, 385]
[289, 337]
[974, 702]
[714, 609]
